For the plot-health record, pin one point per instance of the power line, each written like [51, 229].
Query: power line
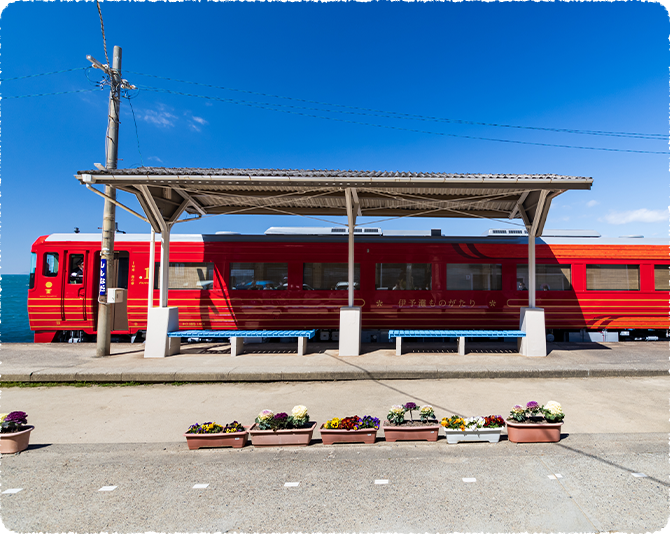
[102, 27]
[50, 94]
[269, 107]
[410, 116]
[41, 74]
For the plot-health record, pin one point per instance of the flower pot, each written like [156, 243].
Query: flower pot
[236, 440]
[330, 436]
[492, 435]
[269, 438]
[411, 433]
[533, 432]
[15, 441]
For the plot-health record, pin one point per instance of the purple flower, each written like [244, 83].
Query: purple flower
[17, 417]
[533, 406]
[280, 416]
[410, 406]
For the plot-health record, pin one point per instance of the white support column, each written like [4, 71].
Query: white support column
[236, 346]
[152, 263]
[351, 316]
[165, 267]
[398, 346]
[461, 346]
[531, 270]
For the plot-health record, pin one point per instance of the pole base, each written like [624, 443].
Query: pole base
[350, 331]
[534, 345]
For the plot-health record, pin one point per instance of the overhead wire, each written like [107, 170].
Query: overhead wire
[411, 116]
[273, 107]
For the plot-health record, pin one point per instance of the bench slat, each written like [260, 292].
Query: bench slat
[243, 333]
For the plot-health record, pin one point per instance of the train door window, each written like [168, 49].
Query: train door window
[329, 276]
[662, 277]
[258, 275]
[403, 276]
[33, 265]
[474, 277]
[547, 277]
[190, 275]
[50, 267]
[121, 261]
[613, 277]
[76, 269]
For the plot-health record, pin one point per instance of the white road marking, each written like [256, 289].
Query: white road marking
[291, 484]
[108, 488]
[381, 481]
[639, 475]
[200, 486]
[14, 490]
[469, 480]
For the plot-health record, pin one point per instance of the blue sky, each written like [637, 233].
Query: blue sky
[587, 66]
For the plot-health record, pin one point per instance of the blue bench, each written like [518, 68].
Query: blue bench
[237, 337]
[459, 334]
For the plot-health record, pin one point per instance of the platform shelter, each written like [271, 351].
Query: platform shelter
[167, 195]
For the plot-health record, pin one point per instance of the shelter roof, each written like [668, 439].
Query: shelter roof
[322, 192]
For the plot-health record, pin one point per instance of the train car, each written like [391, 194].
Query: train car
[590, 287]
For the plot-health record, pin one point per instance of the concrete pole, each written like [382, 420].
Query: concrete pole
[109, 215]
[531, 270]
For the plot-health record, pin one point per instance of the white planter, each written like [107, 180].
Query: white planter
[492, 435]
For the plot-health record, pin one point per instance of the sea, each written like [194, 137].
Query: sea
[14, 325]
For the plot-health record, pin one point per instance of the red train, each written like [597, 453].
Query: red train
[282, 280]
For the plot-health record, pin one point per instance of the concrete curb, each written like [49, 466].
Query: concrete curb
[253, 375]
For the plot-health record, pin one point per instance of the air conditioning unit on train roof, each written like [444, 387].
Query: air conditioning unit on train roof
[517, 232]
[287, 230]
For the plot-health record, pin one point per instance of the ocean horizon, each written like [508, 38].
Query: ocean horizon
[14, 324]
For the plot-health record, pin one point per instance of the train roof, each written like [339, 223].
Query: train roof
[552, 237]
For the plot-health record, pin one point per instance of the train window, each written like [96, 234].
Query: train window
[403, 276]
[662, 277]
[76, 269]
[329, 276]
[50, 267]
[474, 277]
[187, 275]
[259, 275]
[547, 277]
[33, 265]
[613, 277]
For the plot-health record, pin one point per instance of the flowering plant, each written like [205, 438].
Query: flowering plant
[352, 423]
[396, 414]
[533, 412]
[410, 407]
[456, 422]
[427, 412]
[268, 420]
[13, 422]
[205, 428]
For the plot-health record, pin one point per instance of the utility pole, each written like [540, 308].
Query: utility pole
[108, 221]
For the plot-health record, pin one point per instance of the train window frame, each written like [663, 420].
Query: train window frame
[400, 283]
[666, 268]
[341, 284]
[46, 269]
[264, 283]
[612, 266]
[174, 264]
[540, 284]
[74, 278]
[33, 268]
[493, 276]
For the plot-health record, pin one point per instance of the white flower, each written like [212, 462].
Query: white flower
[397, 408]
[553, 408]
[3, 416]
[427, 410]
[265, 415]
[299, 412]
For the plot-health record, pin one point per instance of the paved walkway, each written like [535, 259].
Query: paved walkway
[270, 362]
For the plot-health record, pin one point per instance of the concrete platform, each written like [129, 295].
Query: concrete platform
[271, 362]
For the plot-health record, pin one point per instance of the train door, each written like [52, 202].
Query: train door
[75, 286]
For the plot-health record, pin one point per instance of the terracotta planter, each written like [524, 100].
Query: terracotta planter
[492, 435]
[329, 436]
[15, 441]
[237, 440]
[533, 432]
[411, 433]
[270, 438]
